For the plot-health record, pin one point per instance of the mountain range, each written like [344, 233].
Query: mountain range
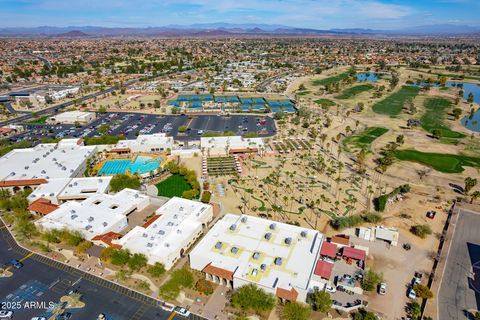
[229, 29]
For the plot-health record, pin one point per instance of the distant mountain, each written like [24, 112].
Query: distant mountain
[230, 29]
[72, 34]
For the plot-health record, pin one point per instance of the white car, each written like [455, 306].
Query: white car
[6, 314]
[330, 289]
[412, 294]
[382, 288]
[182, 311]
[39, 318]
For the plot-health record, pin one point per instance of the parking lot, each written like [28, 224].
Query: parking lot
[41, 281]
[132, 124]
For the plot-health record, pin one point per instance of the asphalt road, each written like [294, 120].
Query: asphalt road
[131, 124]
[460, 288]
[43, 280]
[60, 106]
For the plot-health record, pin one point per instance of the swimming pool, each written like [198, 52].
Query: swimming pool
[141, 165]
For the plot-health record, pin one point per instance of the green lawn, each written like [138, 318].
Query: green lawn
[434, 115]
[303, 93]
[330, 80]
[443, 162]
[364, 139]
[325, 102]
[41, 120]
[173, 186]
[393, 104]
[353, 91]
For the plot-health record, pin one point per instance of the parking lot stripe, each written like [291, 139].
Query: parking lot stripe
[170, 317]
[26, 257]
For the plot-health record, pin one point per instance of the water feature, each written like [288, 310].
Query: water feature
[368, 76]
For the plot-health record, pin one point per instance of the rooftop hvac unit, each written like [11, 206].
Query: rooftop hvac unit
[167, 245]
[73, 216]
[150, 245]
[256, 255]
[175, 216]
[233, 227]
[288, 241]
[218, 245]
[72, 211]
[263, 267]
[180, 209]
[268, 235]
[303, 233]
[179, 231]
[278, 261]
[88, 227]
[90, 219]
[244, 219]
[105, 224]
[161, 232]
[273, 226]
[145, 235]
[234, 250]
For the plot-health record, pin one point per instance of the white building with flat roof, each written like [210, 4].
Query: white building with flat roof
[230, 144]
[66, 189]
[65, 159]
[96, 215]
[277, 257]
[168, 235]
[71, 117]
[147, 143]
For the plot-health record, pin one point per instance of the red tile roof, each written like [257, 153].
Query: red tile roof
[323, 269]
[120, 150]
[329, 250]
[289, 295]
[6, 130]
[107, 239]
[42, 206]
[354, 253]
[219, 272]
[151, 220]
[341, 240]
[21, 183]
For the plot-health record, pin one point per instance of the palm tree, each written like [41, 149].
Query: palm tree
[475, 195]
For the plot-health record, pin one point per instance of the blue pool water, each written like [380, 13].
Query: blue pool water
[368, 76]
[467, 88]
[141, 165]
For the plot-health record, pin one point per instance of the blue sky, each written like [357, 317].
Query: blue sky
[378, 14]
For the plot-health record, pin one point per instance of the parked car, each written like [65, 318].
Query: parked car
[182, 311]
[64, 316]
[101, 316]
[39, 318]
[330, 289]
[15, 263]
[382, 288]
[431, 214]
[417, 278]
[412, 294]
[6, 314]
